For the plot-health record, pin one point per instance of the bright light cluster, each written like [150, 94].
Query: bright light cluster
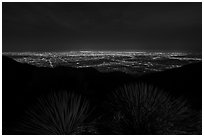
[126, 61]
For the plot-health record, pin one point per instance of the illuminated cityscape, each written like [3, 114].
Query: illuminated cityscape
[106, 61]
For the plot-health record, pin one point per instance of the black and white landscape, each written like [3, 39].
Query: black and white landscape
[102, 68]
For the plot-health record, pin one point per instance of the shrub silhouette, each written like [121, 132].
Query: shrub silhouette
[58, 114]
[143, 109]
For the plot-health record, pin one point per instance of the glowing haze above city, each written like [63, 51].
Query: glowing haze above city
[59, 27]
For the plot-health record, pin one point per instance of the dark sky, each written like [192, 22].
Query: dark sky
[102, 26]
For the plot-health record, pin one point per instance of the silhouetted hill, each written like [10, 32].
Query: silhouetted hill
[23, 83]
[184, 81]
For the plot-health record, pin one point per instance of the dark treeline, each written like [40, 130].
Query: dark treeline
[24, 84]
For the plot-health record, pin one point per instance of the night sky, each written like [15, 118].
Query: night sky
[102, 26]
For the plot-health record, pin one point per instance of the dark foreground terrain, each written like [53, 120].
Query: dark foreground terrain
[65, 100]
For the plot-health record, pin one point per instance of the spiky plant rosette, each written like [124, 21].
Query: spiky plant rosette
[143, 109]
[58, 114]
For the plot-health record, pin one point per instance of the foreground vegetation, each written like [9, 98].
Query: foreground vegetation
[135, 109]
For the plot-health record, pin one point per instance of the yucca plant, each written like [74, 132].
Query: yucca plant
[58, 114]
[143, 109]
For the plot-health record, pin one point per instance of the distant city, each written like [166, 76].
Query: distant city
[107, 61]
